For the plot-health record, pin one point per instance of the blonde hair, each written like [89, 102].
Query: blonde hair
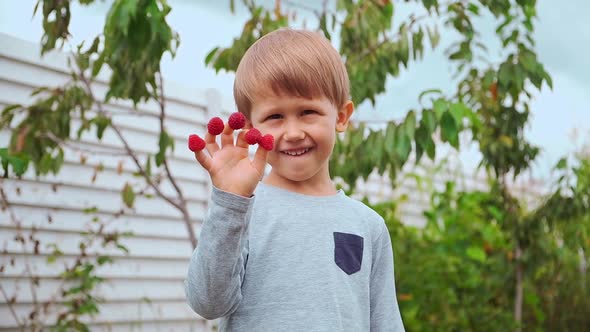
[293, 62]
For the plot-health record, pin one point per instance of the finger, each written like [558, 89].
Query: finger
[203, 159]
[211, 146]
[259, 161]
[227, 137]
[241, 141]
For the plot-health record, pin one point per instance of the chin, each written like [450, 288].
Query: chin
[295, 177]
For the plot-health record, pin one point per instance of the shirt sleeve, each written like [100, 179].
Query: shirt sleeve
[217, 266]
[385, 314]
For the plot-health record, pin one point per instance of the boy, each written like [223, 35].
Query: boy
[289, 252]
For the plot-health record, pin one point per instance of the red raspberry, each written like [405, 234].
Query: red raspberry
[253, 136]
[195, 143]
[237, 120]
[266, 142]
[215, 126]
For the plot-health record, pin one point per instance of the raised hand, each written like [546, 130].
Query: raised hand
[229, 166]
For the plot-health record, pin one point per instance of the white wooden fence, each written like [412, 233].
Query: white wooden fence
[144, 289]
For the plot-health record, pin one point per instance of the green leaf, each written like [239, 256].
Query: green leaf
[90, 210]
[440, 106]
[403, 45]
[4, 153]
[101, 260]
[507, 21]
[164, 142]
[324, 27]
[459, 111]
[434, 36]
[496, 213]
[473, 8]
[430, 149]
[427, 92]
[428, 121]
[424, 142]
[101, 123]
[97, 64]
[476, 253]
[528, 60]
[390, 139]
[210, 55]
[123, 248]
[403, 145]
[449, 131]
[19, 162]
[148, 166]
[419, 151]
[548, 79]
[561, 164]
[8, 110]
[417, 46]
[410, 124]
[128, 195]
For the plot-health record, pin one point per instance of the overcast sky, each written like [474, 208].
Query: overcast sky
[563, 42]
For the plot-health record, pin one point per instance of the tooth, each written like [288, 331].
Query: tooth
[297, 153]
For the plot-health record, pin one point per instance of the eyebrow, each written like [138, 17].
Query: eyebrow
[308, 104]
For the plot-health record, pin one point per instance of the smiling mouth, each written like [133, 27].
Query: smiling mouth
[296, 153]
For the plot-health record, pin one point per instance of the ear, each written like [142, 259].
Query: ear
[344, 114]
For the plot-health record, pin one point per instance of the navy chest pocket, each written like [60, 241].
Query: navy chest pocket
[348, 252]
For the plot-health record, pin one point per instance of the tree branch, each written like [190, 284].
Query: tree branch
[182, 200]
[372, 49]
[67, 144]
[302, 6]
[6, 205]
[310, 9]
[10, 306]
[130, 151]
[161, 102]
[28, 273]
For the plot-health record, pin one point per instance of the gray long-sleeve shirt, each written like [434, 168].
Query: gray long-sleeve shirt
[283, 261]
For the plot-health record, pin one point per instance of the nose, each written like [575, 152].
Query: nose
[293, 132]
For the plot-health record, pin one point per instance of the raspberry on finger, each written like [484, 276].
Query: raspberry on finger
[237, 121]
[266, 142]
[253, 136]
[215, 126]
[195, 143]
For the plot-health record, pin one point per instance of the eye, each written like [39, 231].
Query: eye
[273, 117]
[307, 112]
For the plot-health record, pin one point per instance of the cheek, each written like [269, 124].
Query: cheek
[265, 130]
[263, 127]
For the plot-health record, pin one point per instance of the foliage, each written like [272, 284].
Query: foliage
[136, 35]
[459, 264]
[457, 272]
[375, 51]
[73, 298]
[81, 278]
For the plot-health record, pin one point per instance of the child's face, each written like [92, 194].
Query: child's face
[305, 134]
